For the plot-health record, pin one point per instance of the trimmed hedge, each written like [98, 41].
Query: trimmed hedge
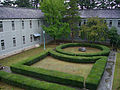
[74, 59]
[48, 75]
[29, 83]
[95, 74]
[105, 50]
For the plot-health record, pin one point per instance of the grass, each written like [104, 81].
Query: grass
[51, 63]
[116, 81]
[75, 50]
[19, 57]
[24, 55]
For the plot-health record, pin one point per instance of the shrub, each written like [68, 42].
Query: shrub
[74, 59]
[29, 83]
[49, 75]
[95, 74]
[105, 50]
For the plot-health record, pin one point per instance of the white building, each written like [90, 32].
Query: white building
[20, 29]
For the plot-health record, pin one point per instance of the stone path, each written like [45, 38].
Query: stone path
[107, 78]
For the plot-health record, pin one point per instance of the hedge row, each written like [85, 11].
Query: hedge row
[105, 50]
[95, 74]
[49, 75]
[29, 83]
[74, 59]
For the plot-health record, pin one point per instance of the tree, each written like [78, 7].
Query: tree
[23, 3]
[94, 30]
[54, 13]
[7, 3]
[72, 16]
[35, 3]
[114, 37]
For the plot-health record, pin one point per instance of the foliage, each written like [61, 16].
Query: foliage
[53, 12]
[44, 74]
[23, 3]
[105, 50]
[114, 37]
[7, 3]
[74, 59]
[95, 74]
[27, 83]
[72, 16]
[94, 30]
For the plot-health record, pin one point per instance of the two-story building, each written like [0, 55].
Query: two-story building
[20, 29]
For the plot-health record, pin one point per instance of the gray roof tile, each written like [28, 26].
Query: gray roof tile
[102, 13]
[13, 13]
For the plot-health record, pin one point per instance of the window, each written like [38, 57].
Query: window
[31, 38]
[23, 39]
[13, 25]
[2, 44]
[22, 24]
[84, 22]
[1, 26]
[110, 23]
[30, 23]
[79, 23]
[105, 21]
[118, 23]
[38, 23]
[14, 42]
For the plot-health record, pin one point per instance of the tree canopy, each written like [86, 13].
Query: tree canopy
[54, 14]
[94, 30]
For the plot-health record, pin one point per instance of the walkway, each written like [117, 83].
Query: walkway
[107, 78]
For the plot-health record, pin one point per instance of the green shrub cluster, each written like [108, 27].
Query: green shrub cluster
[48, 75]
[105, 50]
[29, 83]
[74, 59]
[95, 74]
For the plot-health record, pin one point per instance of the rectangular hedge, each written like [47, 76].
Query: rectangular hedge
[29, 83]
[95, 74]
[48, 75]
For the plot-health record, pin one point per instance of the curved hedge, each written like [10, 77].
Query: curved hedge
[74, 59]
[105, 50]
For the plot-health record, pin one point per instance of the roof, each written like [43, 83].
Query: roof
[102, 13]
[17, 13]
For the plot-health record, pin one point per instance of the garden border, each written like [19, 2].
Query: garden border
[105, 50]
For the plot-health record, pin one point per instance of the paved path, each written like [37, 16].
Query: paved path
[107, 78]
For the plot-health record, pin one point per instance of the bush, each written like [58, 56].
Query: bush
[95, 74]
[74, 59]
[49, 75]
[105, 50]
[29, 83]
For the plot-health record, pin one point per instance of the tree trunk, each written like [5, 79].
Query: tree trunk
[72, 36]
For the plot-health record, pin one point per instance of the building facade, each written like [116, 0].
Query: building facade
[20, 29]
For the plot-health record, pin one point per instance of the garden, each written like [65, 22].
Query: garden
[57, 69]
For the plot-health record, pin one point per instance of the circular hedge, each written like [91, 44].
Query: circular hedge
[104, 50]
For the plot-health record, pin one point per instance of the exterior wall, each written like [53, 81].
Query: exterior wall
[8, 34]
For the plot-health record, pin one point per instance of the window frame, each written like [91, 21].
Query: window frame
[110, 23]
[13, 25]
[2, 44]
[22, 24]
[1, 26]
[23, 37]
[14, 42]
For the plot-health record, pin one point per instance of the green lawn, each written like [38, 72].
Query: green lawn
[19, 57]
[62, 66]
[116, 82]
[24, 55]
[75, 50]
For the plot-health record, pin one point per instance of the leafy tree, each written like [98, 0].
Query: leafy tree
[35, 3]
[114, 37]
[7, 3]
[23, 3]
[72, 16]
[94, 30]
[54, 13]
